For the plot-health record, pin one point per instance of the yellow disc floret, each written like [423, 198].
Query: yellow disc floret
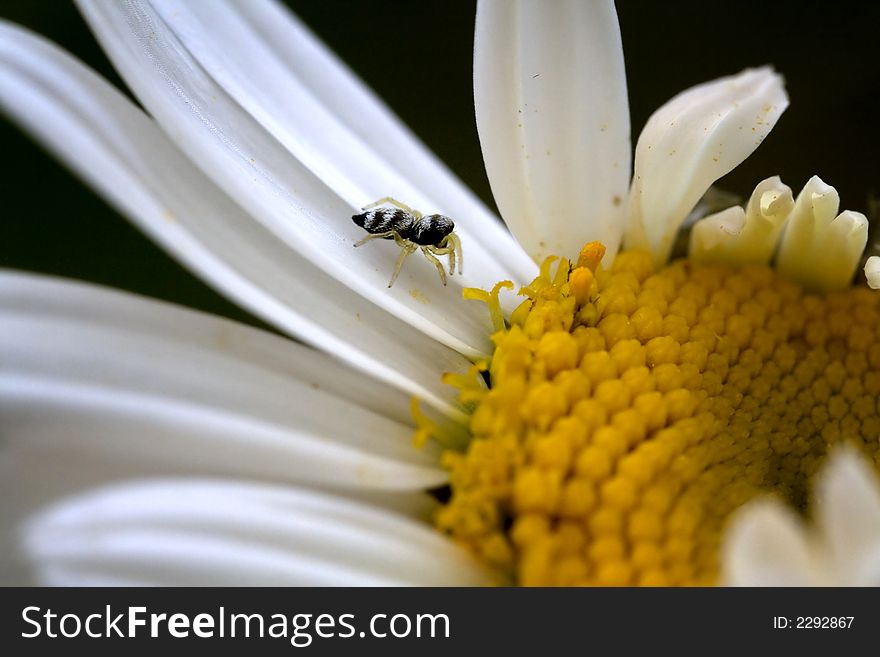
[629, 412]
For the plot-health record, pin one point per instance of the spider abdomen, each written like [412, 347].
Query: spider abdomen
[431, 229]
[382, 220]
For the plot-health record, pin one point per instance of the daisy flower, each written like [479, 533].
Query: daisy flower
[590, 412]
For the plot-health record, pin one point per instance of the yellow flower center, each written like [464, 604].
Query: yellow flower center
[629, 412]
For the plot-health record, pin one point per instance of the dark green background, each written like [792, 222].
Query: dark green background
[417, 55]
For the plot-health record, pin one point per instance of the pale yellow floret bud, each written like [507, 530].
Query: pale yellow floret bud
[558, 350]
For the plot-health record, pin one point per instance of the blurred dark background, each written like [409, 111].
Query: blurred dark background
[421, 65]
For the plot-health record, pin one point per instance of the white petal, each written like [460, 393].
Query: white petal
[872, 272]
[553, 118]
[711, 234]
[205, 533]
[124, 384]
[280, 192]
[821, 249]
[764, 545]
[689, 143]
[848, 514]
[122, 153]
[297, 89]
[736, 236]
[48, 297]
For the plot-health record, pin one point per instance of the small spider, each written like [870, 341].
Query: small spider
[433, 234]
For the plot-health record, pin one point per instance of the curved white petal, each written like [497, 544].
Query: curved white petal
[848, 513]
[123, 383]
[872, 272]
[740, 236]
[278, 191]
[712, 236]
[765, 545]
[282, 75]
[821, 249]
[229, 533]
[70, 301]
[553, 118]
[689, 143]
[122, 153]
[97, 386]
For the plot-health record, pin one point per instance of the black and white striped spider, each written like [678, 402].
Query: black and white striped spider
[432, 234]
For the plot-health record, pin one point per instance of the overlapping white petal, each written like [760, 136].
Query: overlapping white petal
[553, 118]
[689, 143]
[767, 545]
[277, 189]
[208, 533]
[123, 154]
[131, 384]
[99, 386]
[297, 89]
[821, 249]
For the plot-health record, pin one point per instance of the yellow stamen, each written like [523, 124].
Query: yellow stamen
[591, 255]
[630, 412]
[491, 300]
[471, 386]
[581, 280]
[448, 435]
[425, 427]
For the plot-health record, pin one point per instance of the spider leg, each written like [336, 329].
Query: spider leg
[427, 251]
[442, 251]
[397, 204]
[450, 245]
[456, 246]
[406, 249]
[387, 234]
[376, 236]
[402, 242]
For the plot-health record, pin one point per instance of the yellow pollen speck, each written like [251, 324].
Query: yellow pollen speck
[630, 411]
[418, 295]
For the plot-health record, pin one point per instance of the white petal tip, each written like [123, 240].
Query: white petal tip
[736, 236]
[872, 272]
[696, 138]
[821, 249]
[848, 513]
[765, 546]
